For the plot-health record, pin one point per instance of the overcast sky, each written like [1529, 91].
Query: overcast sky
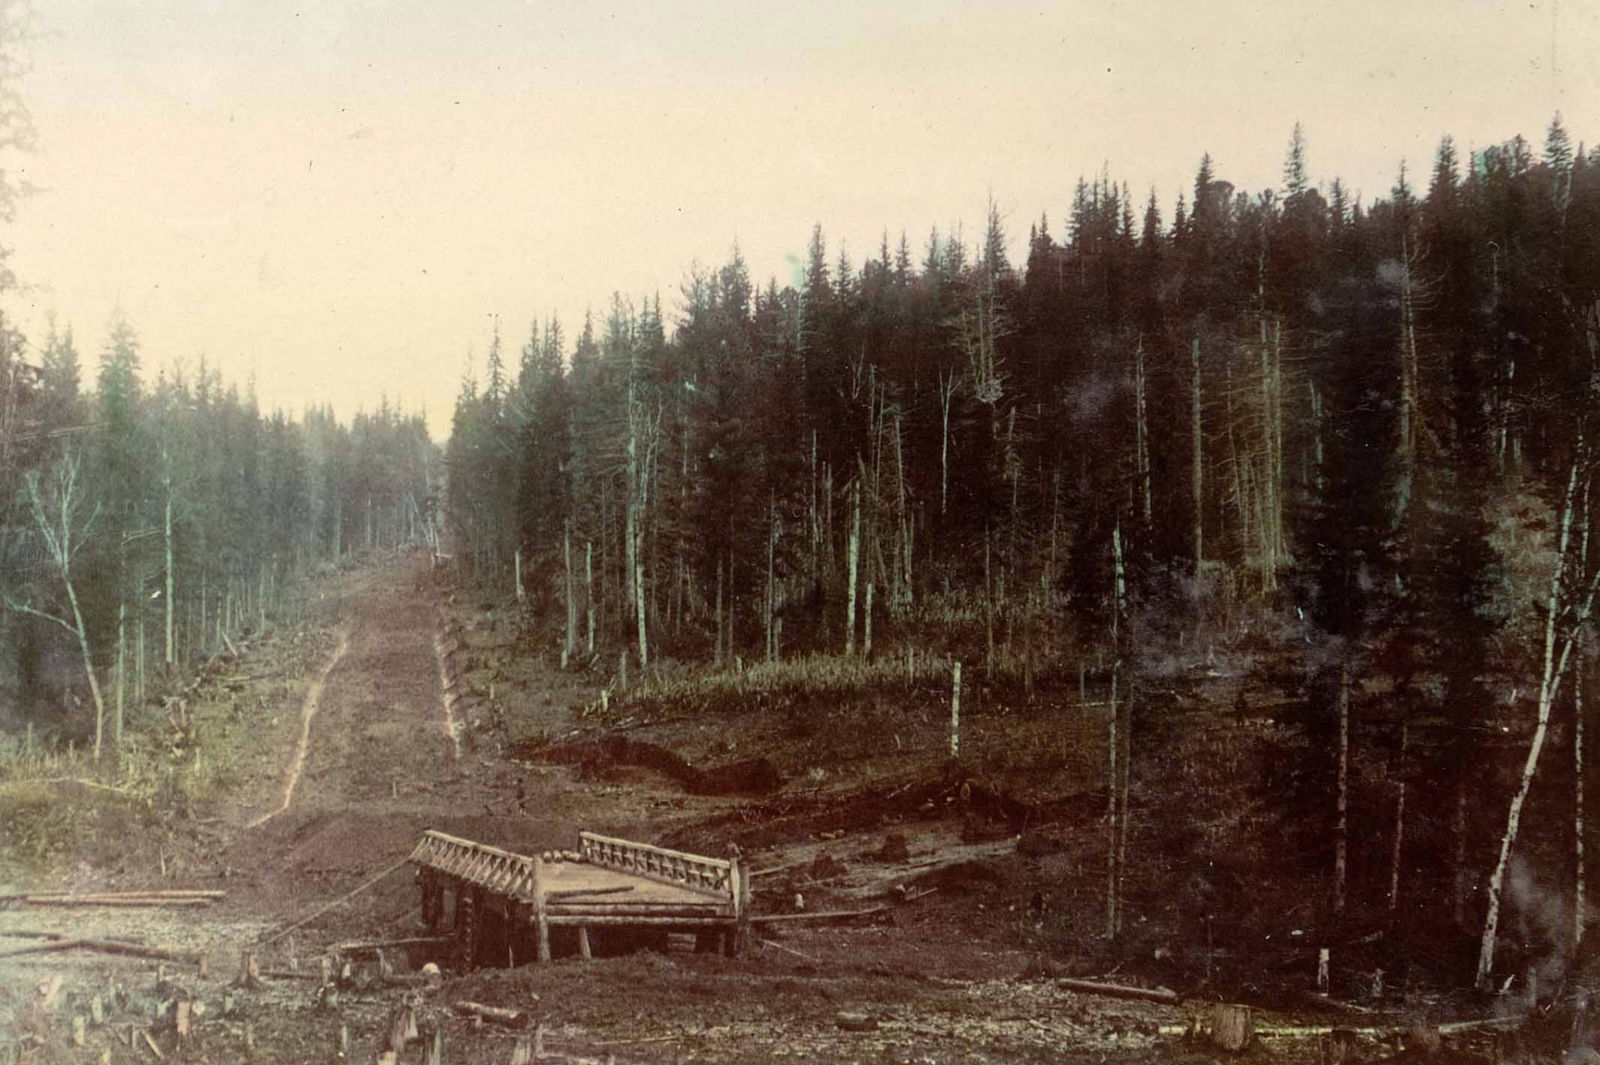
[341, 198]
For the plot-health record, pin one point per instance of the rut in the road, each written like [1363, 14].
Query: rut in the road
[308, 710]
[452, 727]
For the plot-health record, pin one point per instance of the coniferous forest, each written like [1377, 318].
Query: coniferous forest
[1352, 442]
[1339, 452]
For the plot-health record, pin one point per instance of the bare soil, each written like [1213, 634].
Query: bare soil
[988, 894]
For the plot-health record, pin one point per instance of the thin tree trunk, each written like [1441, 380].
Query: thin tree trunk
[717, 654]
[1341, 829]
[852, 568]
[866, 637]
[1579, 877]
[588, 591]
[1555, 665]
[1399, 826]
[1116, 812]
[122, 674]
[170, 652]
[1141, 435]
[1197, 472]
[947, 391]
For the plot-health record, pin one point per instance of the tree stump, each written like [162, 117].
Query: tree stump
[522, 1053]
[1232, 1027]
[249, 970]
[1336, 1047]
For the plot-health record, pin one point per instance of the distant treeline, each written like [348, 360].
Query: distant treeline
[147, 524]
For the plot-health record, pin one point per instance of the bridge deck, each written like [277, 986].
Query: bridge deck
[607, 883]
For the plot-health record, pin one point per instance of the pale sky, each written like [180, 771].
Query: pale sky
[341, 198]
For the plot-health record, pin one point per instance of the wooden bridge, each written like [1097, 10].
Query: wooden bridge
[506, 909]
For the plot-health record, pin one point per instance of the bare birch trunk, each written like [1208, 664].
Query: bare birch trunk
[955, 710]
[1579, 877]
[1554, 668]
[588, 591]
[1116, 809]
[852, 568]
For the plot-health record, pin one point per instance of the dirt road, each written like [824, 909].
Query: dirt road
[369, 758]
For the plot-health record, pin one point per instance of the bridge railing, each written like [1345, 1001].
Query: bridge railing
[498, 870]
[711, 876]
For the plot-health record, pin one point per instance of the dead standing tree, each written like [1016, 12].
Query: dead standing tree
[1567, 611]
[57, 505]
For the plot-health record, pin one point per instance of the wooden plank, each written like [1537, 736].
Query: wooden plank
[599, 921]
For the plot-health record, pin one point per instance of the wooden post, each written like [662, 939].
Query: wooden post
[583, 942]
[739, 884]
[541, 922]
[955, 710]
[1322, 970]
[433, 1045]
[522, 1052]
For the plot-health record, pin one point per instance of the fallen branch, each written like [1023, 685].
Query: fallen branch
[1145, 994]
[509, 1018]
[1312, 1031]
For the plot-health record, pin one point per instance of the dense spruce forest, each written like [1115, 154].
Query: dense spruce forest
[1351, 440]
[155, 519]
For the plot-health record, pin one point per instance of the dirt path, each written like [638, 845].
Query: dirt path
[308, 713]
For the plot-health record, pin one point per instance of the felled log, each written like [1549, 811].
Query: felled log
[820, 915]
[1145, 994]
[104, 946]
[387, 944]
[153, 893]
[122, 901]
[509, 1018]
